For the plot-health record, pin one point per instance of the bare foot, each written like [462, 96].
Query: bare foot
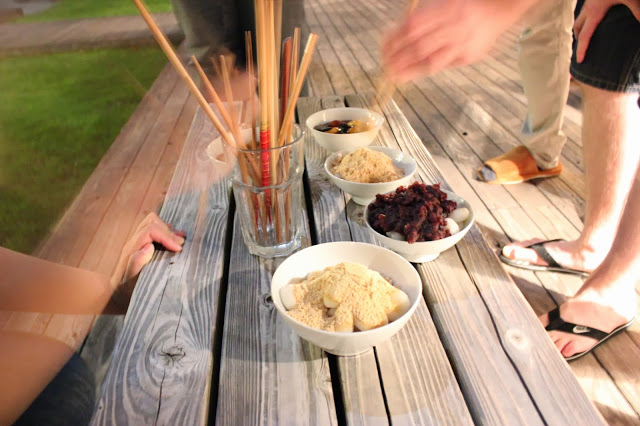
[570, 254]
[600, 310]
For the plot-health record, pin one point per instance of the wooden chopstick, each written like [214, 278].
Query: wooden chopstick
[182, 72]
[252, 90]
[213, 93]
[293, 96]
[285, 76]
[235, 128]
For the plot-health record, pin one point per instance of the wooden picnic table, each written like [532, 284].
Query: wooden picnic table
[202, 340]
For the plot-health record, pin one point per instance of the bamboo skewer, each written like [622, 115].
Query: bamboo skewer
[295, 53]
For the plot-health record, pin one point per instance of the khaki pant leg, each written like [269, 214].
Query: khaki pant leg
[544, 56]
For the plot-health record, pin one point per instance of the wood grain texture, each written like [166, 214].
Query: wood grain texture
[165, 349]
[363, 398]
[509, 326]
[99, 345]
[268, 375]
[562, 197]
[419, 387]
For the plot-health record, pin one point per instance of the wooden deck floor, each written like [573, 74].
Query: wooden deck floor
[463, 117]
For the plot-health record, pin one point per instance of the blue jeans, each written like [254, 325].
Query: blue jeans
[68, 399]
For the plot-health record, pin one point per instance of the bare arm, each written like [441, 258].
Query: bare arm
[29, 285]
[445, 33]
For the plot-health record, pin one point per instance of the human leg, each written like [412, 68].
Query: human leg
[610, 79]
[544, 55]
[608, 298]
[611, 130]
[211, 28]
[68, 400]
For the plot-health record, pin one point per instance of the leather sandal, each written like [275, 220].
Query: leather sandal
[515, 166]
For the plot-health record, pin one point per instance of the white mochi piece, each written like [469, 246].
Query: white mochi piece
[329, 302]
[288, 297]
[460, 214]
[401, 304]
[396, 236]
[452, 226]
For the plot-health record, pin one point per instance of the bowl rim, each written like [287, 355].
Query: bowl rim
[379, 120]
[462, 231]
[412, 162]
[414, 304]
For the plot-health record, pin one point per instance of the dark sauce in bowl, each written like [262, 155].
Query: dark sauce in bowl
[342, 126]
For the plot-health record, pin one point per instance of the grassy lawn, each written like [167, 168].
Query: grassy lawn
[76, 9]
[59, 114]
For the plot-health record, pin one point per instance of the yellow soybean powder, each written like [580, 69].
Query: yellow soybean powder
[365, 165]
[344, 297]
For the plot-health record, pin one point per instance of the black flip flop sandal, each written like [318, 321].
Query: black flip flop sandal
[557, 323]
[552, 265]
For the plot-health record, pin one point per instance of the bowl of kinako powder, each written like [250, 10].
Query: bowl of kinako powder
[365, 172]
[346, 297]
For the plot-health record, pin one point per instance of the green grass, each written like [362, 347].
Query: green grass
[76, 9]
[58, 115]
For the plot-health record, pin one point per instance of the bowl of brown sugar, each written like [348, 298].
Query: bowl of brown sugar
[367, 171]
[346, 297]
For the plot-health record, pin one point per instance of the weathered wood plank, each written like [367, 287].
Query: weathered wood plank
[268, 375]
[361, 390]
[419, 385]
[505, 313]
[165, 349]
[99, 345]
[72, 236]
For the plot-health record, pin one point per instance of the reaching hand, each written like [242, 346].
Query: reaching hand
[591, 14]
[137, 252]
[447, 33]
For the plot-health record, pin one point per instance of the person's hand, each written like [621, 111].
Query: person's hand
[241, 86]
[447, 33]
[137, 252]
[591, 14]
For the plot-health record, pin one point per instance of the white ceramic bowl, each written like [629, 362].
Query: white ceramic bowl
[337, 142]
[364, 193]
[314, 258]
[424, 251]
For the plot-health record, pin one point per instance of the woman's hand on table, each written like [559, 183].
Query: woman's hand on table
[136, 253]
[446, 33]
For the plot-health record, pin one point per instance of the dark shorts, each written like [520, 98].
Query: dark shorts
[612, 60]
